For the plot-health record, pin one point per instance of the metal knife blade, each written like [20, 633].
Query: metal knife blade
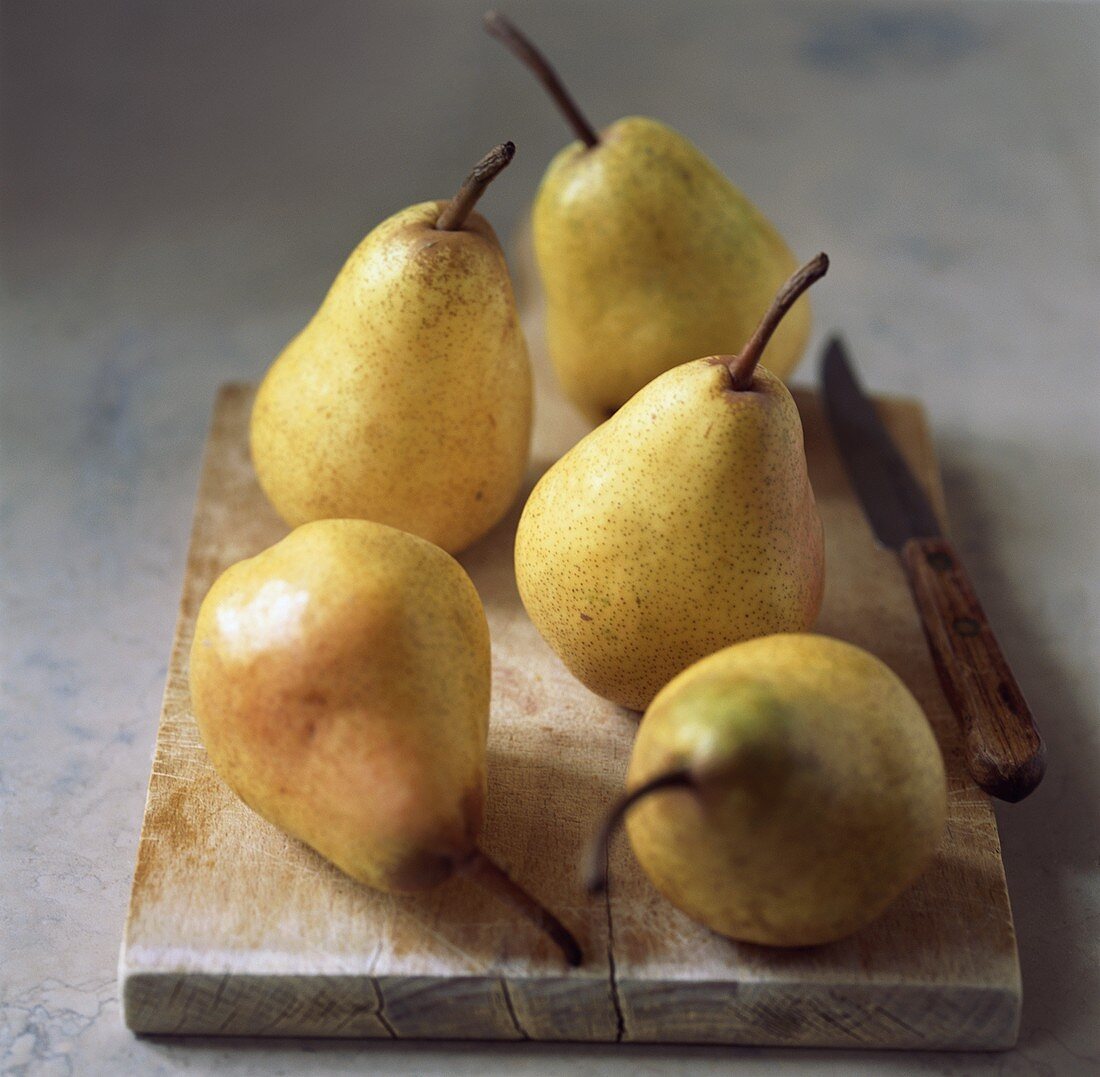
[1000, 743]
[892, 499]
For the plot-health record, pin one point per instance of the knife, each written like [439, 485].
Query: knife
[1001, 745]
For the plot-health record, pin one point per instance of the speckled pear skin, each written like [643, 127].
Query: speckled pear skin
[650, 257]
[827, 796]
[340, 681]
[407, 399]
[684, 523]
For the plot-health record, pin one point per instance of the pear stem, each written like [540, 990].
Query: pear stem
[595, 875]
[492, 877]
[516, 41]
[743, 365]
[473, 187]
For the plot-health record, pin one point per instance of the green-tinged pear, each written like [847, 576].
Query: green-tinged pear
[782, 791]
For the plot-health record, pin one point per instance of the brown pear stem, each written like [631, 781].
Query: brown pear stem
[492, 877]
[595, 876]
[515, 40]
[473, 187]
[743, 365]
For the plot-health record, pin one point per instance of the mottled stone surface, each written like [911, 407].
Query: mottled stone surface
[179, 188]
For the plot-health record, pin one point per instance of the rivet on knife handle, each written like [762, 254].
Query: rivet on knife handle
[1003, 750]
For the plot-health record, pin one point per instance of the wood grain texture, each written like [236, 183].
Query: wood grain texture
[1004, 752]
[235, 928]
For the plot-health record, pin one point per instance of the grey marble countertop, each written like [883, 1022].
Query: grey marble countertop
[180, 184]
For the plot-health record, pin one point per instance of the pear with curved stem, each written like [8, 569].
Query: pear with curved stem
[684, 523]
[649, 256]
[782, 791]
[407, 398]
[340, 681]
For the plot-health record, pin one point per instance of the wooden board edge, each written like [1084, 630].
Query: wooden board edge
[207, 468]
[359, 1006]
[854, 1017]
[925, 1017]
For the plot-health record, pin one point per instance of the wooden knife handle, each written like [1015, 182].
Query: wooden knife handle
[1003, 750]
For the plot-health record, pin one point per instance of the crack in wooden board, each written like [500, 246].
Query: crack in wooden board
[235, 928]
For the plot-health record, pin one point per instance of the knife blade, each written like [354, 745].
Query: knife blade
[1001, 744]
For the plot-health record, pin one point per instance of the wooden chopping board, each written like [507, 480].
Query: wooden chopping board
[235, 928]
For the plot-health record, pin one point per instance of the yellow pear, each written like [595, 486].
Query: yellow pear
[683, 524]
[787, 790]
[649, 256]
[407, 398]
[340, 680]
